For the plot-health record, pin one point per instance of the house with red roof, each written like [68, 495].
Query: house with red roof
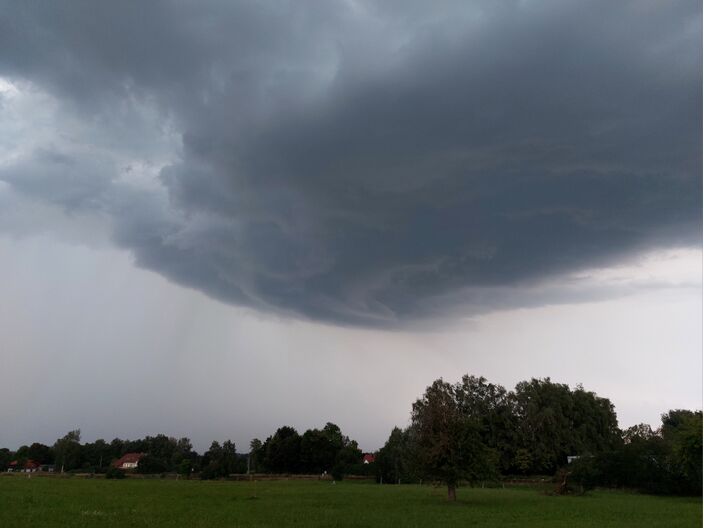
[128, 461]
[29, 466]
[368, 458]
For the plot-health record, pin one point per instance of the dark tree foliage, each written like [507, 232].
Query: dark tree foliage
[554, 422]
[395, 462]
[255, 455]
[684, 439]
[348, 459]
[448, 438]
[318, 451]
[41, 453]
[68, 451]
[150, 464]
[283, 451]
[491, 408]
[114, 473]
[531, 430]
[221, 461]
[117, 448]
[314, 452]
[637, 433]
[22, 453]
[6, 456]
[668, 461]
[164, 451]
[185, 468]
[98, 454]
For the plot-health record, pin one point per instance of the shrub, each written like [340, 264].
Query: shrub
[585, 472]
[185, 468]
[149, 464]
[114, 473]
[338, 471]
[210, 472]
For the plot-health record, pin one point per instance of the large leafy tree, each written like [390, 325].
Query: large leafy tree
[491, 407]
[283, 451]
[543, 410]
[682, 433]
[327, 449]
[448, 438]
[183, 454]
[255, 455]
[395, 461]
[220, 460]
[6, 457]
[318, 451]
[40, 453]
[68, 453]
[554, 422]
[667, 461]
[97, 454]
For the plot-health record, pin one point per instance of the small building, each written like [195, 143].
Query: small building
[368, 458]
[572, 458]
[128, 461]
[29, 466]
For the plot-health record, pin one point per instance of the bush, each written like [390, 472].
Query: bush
[185, 468]
[360, 469]
[338, 471]
[210, 472]
[114, 473]
[585, 472]
[150, 465]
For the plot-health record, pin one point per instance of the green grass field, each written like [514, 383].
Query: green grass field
[48, 502]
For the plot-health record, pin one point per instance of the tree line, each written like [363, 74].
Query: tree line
[474, 431]
[286, 451]
[164, 453]
[465, 432]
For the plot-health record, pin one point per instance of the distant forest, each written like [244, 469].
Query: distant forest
[465, 432]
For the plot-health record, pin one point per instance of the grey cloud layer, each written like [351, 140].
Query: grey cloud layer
[362, 163]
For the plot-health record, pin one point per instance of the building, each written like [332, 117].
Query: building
[368, 458]
[30, 466]
[128, 461]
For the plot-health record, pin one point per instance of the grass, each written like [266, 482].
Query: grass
[48, 502]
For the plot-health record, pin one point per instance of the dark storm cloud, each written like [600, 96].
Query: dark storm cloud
[363, 163]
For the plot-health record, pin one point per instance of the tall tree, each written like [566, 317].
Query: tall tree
[6, 457]
[68, 450]
[448, 438]
[638, 432]
[183, 452]
[283, 451]
[97, 454]
[40, 453]
[682, 433]
[394, 461]
[255, 454]
[318, 451]
[554, 422]
[491, 407]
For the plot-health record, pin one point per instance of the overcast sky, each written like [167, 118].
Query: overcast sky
[217, 218]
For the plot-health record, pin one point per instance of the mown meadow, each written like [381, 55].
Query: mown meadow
[53, 502]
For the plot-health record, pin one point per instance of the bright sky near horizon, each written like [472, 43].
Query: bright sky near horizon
[123, 352]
